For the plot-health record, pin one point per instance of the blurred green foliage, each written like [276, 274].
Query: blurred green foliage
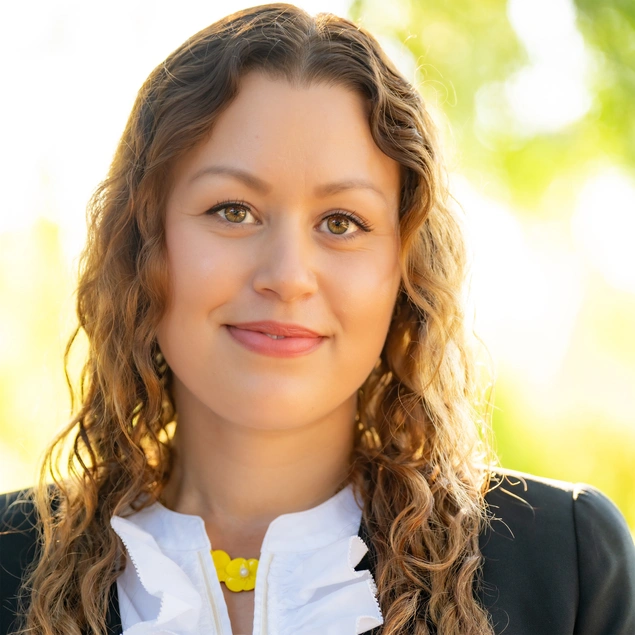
[462, 46]
[609, 29]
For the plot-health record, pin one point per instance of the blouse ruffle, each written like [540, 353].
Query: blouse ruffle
[313, 592]
[324, 594]
[161, 577]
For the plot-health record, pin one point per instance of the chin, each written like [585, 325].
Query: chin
[272, 411]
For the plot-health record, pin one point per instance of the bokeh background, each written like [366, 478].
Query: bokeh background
[534, 100]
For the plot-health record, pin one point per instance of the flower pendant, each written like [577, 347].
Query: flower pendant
[238, 574]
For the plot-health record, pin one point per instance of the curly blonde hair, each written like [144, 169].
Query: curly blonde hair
[416, 459]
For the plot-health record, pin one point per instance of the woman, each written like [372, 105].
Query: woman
[276, 431]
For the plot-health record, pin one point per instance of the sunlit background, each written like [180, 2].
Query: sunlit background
[534, 101]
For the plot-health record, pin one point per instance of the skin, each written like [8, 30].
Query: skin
[265, 436]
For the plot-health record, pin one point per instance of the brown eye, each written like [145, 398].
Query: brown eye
[341, 223]
[235, 214]
[338, 224]
[232, 212]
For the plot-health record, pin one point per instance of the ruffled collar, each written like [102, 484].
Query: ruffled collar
[308, 562]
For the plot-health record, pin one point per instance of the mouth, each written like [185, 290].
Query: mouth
[277, 330]
[274, 344]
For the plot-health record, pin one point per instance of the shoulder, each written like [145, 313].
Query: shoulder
[560, 550]
[18, 546]
[15, 507]
[18, 527]
[537, 506]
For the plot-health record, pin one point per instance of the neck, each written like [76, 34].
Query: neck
[239, 477]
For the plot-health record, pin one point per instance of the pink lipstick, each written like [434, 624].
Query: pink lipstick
[275, 339]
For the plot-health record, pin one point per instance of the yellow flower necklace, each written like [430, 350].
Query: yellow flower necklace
[237, 574]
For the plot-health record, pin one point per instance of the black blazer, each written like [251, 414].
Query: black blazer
[558, 560]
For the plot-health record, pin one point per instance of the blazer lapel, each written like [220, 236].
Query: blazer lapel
[370, 557]
[113, 617]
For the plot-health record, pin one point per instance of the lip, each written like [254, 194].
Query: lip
[277, 328]
[258, 342]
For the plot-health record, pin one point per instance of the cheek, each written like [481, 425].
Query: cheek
[204, 272]
[366, 291]
[204, 275]
[364, 308]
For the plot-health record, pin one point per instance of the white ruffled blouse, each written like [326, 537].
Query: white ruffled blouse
[306, 582]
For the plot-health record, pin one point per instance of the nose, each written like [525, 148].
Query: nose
[286, 263]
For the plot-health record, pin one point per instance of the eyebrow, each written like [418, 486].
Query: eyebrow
[245, 177]
[255, 183]
[348, 184]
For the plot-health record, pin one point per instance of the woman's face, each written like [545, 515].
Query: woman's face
[287, 213]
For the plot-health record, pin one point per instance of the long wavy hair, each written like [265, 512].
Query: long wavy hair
[416, 462]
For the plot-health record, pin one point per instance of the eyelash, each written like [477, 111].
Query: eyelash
[363, 225]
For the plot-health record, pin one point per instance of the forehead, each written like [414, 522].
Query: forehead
[289, 132]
